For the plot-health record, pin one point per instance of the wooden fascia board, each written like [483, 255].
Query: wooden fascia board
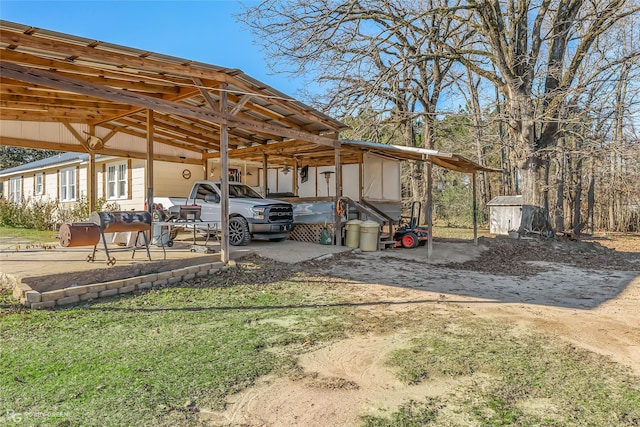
[46, 78]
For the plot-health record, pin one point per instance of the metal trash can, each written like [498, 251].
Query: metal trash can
[159, 233]
[353, 233]
[369, 236]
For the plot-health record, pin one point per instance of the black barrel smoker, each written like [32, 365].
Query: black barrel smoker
[121, 221]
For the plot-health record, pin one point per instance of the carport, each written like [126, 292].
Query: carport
[67, 93]
[84, 95]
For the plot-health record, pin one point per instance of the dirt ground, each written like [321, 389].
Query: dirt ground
[585, 293]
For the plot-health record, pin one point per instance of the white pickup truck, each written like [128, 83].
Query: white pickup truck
[250, 214]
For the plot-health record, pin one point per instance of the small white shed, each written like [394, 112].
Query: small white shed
[505, 213]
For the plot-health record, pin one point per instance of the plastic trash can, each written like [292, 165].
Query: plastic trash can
[369, 236]
[353, 233]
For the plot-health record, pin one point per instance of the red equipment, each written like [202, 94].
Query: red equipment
[412, 235]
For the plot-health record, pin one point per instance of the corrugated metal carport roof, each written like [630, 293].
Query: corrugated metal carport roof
[53, 77]
[350, 153]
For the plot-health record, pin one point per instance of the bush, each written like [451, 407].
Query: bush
[44, 214]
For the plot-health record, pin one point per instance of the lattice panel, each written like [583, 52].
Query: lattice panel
[307, 232]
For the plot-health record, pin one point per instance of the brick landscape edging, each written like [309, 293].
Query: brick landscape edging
[75, 294]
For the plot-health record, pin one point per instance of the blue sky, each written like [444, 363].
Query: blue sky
[204, 31]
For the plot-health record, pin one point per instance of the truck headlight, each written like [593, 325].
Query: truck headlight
[258, 212]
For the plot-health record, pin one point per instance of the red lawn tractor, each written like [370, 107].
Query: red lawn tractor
[411, 235]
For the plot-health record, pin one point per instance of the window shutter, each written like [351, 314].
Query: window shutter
[104, 181]
[129, 183]
[77, 183]
[59, 182]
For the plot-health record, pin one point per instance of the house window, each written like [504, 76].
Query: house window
[15, 189]
[117, 181]
[39, 190]
[68, 184]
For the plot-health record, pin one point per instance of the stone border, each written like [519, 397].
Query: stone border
[75, 294]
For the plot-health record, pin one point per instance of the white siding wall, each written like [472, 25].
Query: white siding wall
[56, 132]
[168, 180]
[51, 184]
[308, 189]
[27, 186]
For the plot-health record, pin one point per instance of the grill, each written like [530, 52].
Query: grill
[113, 222]
[119, 222]
[280, 213]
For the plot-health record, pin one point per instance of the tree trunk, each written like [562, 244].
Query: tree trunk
[477, 123]
[577, 208]
[559, 209]
[591, 197]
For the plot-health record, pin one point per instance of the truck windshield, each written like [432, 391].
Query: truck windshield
[241, 191]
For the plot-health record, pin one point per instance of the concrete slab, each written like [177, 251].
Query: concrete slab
[54, 267]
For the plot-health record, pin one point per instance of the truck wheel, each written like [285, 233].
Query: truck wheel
[238, 231]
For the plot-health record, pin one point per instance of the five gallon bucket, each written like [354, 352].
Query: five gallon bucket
[369, 236]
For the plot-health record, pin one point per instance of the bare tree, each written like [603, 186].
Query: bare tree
[370, 55]
[390, 60]
[514, 36]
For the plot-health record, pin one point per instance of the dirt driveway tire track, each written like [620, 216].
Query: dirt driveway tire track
[590, 304]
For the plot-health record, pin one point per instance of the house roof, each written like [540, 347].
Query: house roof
[506, 201]
[58, 159]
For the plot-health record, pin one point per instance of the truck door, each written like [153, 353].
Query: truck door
[208, 198]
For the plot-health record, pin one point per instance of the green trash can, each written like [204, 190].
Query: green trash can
[369, 236]
[353, 233]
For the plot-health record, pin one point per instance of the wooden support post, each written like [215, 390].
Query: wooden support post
[295, 177]
[429, 209]
[360, 176]
[475, 210]
[265, 173]
[149, 177]
[337, 226]
[91, 176]
[224, 175]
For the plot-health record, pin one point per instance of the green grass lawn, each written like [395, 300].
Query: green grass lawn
[29, 234]
[518, 380]
[140, 360]
[153, 358]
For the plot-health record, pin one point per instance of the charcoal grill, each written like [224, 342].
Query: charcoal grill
[121, 222]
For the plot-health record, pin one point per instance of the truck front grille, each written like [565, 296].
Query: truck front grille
[279, 213]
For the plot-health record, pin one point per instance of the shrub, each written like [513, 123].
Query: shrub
[46, 214]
